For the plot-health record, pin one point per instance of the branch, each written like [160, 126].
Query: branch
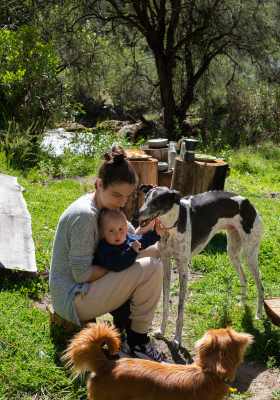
[198, 32]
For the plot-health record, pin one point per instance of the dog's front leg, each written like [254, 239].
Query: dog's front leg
[165, 258]
[183, 280]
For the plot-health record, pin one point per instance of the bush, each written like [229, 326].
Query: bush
[28, 84]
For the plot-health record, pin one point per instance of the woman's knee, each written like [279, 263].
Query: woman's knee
[151, 251]
[148, 268]
[155, 266]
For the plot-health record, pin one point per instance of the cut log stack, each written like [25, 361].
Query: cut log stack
[272, 309]
[161, 153]
[147, 172]
[165, 178]
[189, 178]
[196, 177]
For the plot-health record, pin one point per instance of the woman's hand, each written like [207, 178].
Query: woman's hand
[149, 227]
[141, 230]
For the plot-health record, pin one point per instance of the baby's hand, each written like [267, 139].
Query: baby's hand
[136, 246]
[158, 227]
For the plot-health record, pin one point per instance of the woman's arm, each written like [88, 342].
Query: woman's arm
[140, 231]
[97, 272]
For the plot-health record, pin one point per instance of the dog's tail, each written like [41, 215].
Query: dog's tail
[84, 351]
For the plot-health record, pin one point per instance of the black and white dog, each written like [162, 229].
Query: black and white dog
[190, 223]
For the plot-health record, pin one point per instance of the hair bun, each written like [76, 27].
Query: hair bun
[117, 155]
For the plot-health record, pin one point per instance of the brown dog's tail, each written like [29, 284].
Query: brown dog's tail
[84, 351]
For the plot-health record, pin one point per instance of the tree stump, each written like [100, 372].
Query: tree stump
[160, 154]
[56, 320]
[147, 172]
[198, 177]
[272, 309]
[165, 178]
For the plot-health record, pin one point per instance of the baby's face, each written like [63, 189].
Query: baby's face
[114, 231]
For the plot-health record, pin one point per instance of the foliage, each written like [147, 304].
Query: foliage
[129, 71]
[188, 38]
[29, 89]
[18, 145]
[244, 112]
[196, 60]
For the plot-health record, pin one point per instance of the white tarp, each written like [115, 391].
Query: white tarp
[17, 249]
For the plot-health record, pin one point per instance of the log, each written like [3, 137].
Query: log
[160, 154]
[165, 178]
[147, 172]
[272, 309]
[57, 321]
[196, 177]
[17, 250]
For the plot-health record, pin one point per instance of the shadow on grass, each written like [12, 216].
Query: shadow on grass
[266, 345]
[60, 339]
[179, 356]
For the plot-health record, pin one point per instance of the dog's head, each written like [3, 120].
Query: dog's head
[222, 350]
[158, 201]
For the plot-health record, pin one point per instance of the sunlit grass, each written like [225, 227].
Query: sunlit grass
[29, 355]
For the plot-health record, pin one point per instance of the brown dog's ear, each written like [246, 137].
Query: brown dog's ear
[145, 188]
[177, 196]
[222, 350]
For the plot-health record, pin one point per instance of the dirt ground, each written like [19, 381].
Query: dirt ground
[253, 381]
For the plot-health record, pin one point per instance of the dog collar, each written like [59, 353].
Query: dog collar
[173, 226]
[226, 380]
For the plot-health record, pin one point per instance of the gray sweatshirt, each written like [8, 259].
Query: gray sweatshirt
[75, 243]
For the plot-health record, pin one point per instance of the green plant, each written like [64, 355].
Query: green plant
[18, 144]
[43, 170]
[276, 395]
[271, 362]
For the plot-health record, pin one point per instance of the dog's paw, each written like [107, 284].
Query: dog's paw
[158, 333]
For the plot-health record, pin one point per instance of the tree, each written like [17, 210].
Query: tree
[188, 36]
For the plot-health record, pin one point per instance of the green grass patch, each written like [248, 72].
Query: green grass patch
[29, 352]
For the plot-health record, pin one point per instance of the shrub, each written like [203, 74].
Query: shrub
[28, 83]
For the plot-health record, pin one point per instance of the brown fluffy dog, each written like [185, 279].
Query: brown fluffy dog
[219, 352]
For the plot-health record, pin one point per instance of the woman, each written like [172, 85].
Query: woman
[81, 291]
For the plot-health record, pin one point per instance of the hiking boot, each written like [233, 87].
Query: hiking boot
[146, 351]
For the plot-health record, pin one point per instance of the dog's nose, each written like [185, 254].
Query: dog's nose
[136, 215]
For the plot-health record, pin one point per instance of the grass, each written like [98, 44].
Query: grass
[29, 350]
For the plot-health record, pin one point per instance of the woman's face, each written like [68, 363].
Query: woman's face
[114, 196]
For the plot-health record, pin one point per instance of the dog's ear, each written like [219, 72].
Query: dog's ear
[222, 350]
[177, 196]
[145, 188]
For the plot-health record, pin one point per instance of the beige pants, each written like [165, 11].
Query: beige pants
[142, 283]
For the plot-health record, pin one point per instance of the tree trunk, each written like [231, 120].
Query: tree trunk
[147, 172]
[196, 177]
[160, 154]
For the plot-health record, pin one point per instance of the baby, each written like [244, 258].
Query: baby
[118, 249]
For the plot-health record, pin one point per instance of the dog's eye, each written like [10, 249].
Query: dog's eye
[156, 203]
